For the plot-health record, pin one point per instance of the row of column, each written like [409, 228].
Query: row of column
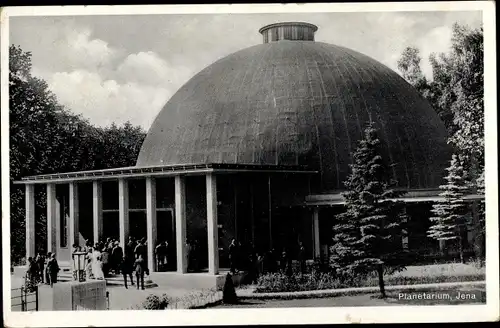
[123, 207]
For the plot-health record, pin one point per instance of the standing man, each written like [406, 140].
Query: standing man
[40, 262]
[117, 256]
[140, 251]
[52, 269]
[126, 268]
[301, 256]
[139, 271]
[47, 276]
[160, 252]
[130, 248]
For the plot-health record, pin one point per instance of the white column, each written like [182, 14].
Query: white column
[97, 210]
[123, 210]
[51, 218]
[317, 244]
[152, 232]
[212, 229]
[30, 221]
[180, 223]
[73, 214]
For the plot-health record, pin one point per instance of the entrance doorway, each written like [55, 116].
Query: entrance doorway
[166, 232]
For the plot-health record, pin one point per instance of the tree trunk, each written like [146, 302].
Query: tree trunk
[476, 220]
[461, 249]
[477, 233]
[380, 271]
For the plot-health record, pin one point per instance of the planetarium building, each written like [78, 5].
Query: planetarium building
[255, 147]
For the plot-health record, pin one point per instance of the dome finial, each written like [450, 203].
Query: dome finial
[296, 31]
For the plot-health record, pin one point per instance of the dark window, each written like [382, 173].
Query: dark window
[275, 34]
[63, 229]
[288, 33]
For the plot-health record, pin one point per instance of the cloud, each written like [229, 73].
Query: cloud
[106, 101]
[84, 52]
[438, 40]
[150, 69]
[119, 68]
[98, 82]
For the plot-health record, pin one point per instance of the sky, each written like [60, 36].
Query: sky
[125, 67]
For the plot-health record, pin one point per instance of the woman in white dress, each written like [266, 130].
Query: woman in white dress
[97, 264]
[88, 264]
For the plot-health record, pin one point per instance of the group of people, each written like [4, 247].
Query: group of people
[43, 269]
[245, 258]
[107, 257]
[256, 263]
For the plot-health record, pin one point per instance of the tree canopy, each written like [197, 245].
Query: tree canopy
[456, 89]
[456, 92]
[46, 138]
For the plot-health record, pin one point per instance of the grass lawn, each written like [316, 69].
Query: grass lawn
[422, 274]
[435, 273]
[448, 269]
[429, 297]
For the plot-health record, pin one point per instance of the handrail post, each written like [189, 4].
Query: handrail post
[36, 298]
[22, 299]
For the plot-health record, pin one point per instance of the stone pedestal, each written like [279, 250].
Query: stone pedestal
[79, 296]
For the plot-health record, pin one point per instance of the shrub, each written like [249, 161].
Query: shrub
[278, 282]
[155, 302]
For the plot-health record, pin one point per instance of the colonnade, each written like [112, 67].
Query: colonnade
[124, 226]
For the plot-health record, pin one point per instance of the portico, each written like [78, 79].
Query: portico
[67, 212]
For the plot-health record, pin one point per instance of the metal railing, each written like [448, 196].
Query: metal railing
[24, 299]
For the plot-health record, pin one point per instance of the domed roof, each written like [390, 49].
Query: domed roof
[299, 103]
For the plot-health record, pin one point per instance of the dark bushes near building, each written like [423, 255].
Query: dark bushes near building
[155, 302]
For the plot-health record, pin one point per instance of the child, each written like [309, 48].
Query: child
[139, 271]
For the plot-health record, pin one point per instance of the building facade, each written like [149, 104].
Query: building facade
[254, 147]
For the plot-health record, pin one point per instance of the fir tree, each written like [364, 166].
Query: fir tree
[368, 236]
[450, 219]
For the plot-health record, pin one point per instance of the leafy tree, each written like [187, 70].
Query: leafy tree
[451, 213]
[368, 236]
[456, 92]
[46, 138]
[410, 67]
[460, 77]
[409, 64]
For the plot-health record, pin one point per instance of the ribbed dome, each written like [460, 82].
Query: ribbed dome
[299, 103]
